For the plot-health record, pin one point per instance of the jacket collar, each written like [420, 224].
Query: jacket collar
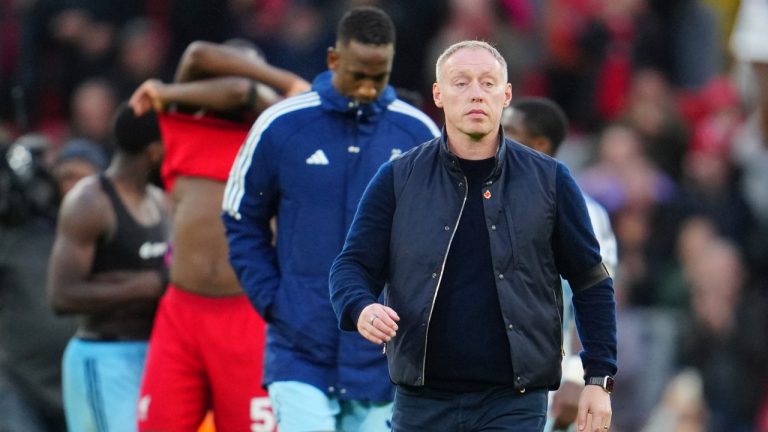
[332, 100]
[452, 162]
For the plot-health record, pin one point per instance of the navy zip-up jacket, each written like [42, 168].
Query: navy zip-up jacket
[307, 160]
[539, 229]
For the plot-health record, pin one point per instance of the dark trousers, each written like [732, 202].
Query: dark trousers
[496, 409]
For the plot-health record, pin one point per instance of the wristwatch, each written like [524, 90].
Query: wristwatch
[606, 382]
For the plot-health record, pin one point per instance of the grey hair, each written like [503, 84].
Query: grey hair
[469, 44]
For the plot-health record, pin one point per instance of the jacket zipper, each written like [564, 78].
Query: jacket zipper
[439, 281]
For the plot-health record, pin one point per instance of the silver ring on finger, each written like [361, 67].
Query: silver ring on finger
[373, 318]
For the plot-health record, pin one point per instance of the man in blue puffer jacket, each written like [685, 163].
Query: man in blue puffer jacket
[467, 236]
[307, 161]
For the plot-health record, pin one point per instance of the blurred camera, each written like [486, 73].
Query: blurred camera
[26, 187]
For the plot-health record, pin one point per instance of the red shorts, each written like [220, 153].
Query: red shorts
[205, 353]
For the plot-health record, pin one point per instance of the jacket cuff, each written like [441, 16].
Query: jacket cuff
[354, 314]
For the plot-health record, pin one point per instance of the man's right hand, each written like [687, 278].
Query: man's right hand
[147, 97]
[378, 323]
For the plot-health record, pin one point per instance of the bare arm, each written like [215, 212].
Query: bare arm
[205, 60]
[85, 216]
[219, 94]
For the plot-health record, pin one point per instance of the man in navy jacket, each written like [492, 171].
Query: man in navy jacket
[467, 237]
[307, 161]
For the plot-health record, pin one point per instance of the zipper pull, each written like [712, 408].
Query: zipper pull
[384, 349]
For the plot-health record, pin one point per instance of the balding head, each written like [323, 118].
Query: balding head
[469, 44]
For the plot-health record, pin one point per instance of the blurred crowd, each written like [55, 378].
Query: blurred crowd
[665, 133]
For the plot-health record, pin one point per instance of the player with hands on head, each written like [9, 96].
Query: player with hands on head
[207, 346]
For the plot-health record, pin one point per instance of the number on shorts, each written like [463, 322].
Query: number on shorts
[262, 416]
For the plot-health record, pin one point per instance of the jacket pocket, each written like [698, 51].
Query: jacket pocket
[304, 319]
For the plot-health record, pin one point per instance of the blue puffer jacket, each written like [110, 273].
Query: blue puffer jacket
[539, 229]
[307, 161]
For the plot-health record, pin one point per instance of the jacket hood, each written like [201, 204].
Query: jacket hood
[332, 100]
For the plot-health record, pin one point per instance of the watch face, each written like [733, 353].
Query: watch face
[608, 385]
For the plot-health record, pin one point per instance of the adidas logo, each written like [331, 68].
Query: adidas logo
[317, 158]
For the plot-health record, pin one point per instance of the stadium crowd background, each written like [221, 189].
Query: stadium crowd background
[662, 134]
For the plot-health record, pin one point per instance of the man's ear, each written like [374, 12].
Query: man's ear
[156, 151]
[332, 58]
[507, 95]
[436, 95]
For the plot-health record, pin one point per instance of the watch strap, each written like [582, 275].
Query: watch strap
[606, 382]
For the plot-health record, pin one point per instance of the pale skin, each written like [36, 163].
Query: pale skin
[472, 92]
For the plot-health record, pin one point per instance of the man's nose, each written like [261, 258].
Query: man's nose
[476, 91]
[366, 92]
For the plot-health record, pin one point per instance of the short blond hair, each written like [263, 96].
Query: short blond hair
[469, 44]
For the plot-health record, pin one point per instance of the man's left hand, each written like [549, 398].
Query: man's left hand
[594, 410]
